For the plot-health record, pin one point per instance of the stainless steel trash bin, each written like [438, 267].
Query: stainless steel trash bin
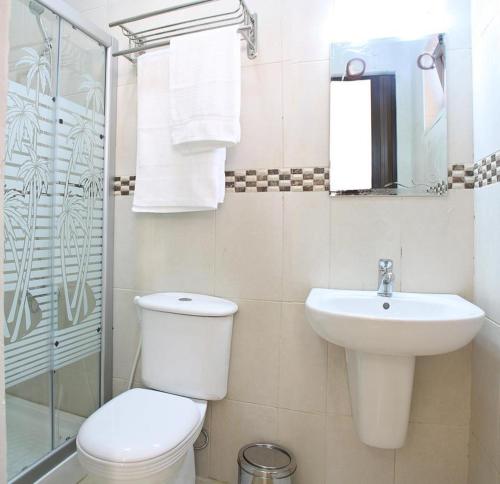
[265, 464]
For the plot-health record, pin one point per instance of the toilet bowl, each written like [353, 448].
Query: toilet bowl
[146, 436]
[142, 436]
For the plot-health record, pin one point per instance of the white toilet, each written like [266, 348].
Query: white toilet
[146, 435]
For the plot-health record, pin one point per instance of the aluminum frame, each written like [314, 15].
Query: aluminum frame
[76, 19]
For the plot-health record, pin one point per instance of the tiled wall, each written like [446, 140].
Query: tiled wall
[485, 422]
[266, 250]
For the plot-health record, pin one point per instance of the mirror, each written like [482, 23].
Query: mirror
[388, 123]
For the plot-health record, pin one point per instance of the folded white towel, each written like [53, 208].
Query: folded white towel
[166, 179]
[205, 89]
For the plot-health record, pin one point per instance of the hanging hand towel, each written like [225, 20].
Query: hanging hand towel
[205, 89]
[166, 179]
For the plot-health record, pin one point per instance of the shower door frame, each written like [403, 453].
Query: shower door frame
[76, 19]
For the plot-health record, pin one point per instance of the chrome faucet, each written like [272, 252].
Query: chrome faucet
[385, 277]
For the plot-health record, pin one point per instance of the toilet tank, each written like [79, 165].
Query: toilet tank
[186, 343]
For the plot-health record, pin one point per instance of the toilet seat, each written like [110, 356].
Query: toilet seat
[139, 433]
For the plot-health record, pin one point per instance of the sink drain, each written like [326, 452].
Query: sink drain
[386, 305]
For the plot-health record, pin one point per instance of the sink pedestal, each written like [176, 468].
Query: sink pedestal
[381, 388]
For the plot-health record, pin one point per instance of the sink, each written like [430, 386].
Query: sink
[382, 337]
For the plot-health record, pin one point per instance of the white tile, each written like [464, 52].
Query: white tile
[363, 230]
[235, 424]
[307, 29]
[458, 31]
[132, 236]
[181, 253]
[349, 461]
[438, 241]
[486, 65]
[481, 469]
[303, 363]
[254, 367]
[249, 246]
[126, 130]
[83, 5]
[269, 37]
[486, 255]
[306, 94]
[485, 401]
[125, 333]
[434, 454]
[261, 144]
[482, 14]
[441, 392]
[305, 435]
[459, 106]
[338, 396]
[306, 250]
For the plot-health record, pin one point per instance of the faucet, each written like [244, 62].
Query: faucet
[385, 277]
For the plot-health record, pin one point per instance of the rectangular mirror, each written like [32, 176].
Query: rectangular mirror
[388, 123]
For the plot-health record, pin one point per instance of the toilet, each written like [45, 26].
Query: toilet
[146, 436]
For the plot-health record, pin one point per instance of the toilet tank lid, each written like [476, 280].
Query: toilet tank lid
[187, 303]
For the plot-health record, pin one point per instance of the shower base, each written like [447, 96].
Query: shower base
[29, 432]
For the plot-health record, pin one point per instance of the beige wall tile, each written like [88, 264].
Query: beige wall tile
[306, 94]
[486, 243]
[132, 238]
[261, 144]
[269, 25]
[338, 397]
[306, 247]
[307, 29]
[181, 253]
[303, 363]
[126, 130]
[441, 391]
[363, 230]
[305, 435]
[202, 457]
[435, 258]
[254, 368]
[249, 246]
[349, 461]
[481, 469]
[125, 332]
[119, 386]
[434, 454]
[485, 401]
[235, 424]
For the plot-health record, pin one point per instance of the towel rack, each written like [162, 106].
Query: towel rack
[150, 38]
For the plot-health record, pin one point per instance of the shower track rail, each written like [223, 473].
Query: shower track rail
[151, 38]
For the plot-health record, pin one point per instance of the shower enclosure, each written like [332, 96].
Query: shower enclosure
[57, 206]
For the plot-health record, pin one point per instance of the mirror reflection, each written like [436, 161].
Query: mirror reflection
[388, 123]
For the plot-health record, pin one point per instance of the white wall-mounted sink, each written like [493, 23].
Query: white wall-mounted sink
[382, 337]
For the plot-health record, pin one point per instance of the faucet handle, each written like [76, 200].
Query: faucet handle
[385, 265]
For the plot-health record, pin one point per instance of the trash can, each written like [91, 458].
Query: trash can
[265, 464]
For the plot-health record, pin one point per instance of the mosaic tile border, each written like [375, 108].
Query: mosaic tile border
[487, 170]
[315, 179]
[460, 176]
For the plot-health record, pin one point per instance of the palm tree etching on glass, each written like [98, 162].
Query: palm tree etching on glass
[75, 221]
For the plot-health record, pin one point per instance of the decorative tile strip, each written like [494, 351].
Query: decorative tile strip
[278, 180]
[461, 176]
[487, 170]
[124, 185]
[316, 179]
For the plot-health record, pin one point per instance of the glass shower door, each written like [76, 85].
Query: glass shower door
[54, 217]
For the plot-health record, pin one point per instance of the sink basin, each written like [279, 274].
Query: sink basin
[382, 337]
[404, 324]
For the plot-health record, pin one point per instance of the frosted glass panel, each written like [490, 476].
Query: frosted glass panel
[53, 212]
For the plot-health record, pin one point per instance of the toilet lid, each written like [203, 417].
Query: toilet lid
[138, 425]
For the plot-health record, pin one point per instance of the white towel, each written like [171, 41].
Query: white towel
[205, 89]
[166, 179]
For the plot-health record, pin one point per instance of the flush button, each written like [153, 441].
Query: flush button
[183, 299]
